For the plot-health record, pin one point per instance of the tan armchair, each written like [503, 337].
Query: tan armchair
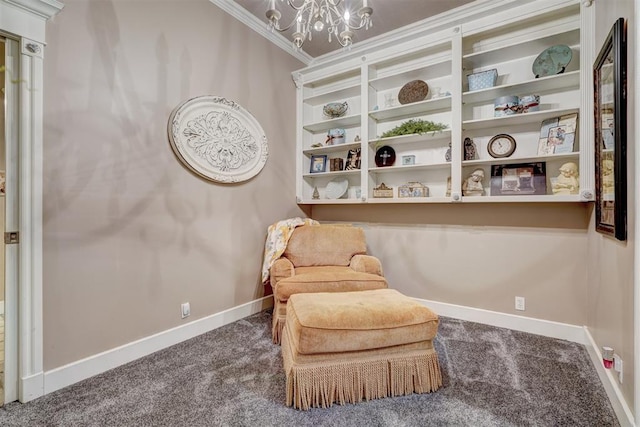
[322, 258]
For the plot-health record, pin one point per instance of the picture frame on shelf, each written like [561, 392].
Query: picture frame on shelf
[519, 179]
[353, 159]
[318, 163]
[558, 135]
[610, 121]
[413, 189]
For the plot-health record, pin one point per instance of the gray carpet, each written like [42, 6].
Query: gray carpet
[233, 376]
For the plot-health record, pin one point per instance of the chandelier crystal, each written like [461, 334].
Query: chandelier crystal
[317, 15]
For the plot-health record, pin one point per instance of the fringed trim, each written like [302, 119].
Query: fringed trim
[277, 325]
[353, 381]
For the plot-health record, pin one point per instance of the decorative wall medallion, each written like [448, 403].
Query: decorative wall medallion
[218, 139]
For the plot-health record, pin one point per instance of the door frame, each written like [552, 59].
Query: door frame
[24, 21]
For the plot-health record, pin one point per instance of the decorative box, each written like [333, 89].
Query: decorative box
[413, 189]
[382, 191]
[482, 80]
[506, 106]
[335, 164]
[408, 160]
[335, 136]
[530, 103]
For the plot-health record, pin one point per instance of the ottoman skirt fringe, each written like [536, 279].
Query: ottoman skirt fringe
[335, 379]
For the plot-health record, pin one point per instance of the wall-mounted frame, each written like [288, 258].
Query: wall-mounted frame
[610, 109]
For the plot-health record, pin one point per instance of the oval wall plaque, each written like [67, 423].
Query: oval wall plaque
[218, 139]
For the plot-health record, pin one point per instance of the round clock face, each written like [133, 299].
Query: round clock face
[502, 145]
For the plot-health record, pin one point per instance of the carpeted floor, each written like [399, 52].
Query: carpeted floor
[233, 376]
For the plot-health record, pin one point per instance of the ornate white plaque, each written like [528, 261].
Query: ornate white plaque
[218, 139]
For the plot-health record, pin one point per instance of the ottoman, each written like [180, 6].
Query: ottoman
[349, 346]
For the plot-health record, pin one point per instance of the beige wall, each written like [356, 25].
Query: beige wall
[481, 255]
[129, 233]
[610, 285]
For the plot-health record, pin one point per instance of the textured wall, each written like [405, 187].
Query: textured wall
[610, 290]
[129, 233]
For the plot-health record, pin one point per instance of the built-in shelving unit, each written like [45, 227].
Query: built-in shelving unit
[507, 41]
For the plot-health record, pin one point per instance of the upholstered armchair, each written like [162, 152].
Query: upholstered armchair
[322, 258]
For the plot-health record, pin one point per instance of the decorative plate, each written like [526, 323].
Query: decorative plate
[218, 139]
[414, 91]
[385, 156]
[337, 188]
[552, 60]
[333, 110]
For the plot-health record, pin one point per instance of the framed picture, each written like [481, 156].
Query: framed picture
[610, 110]
[353, 159]
[519, 179]
[318, 163]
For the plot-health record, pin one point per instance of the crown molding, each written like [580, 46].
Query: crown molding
[42, 8]
[260, 27]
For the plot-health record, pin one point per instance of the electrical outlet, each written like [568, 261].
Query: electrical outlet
[520, 303]
[617, 366]
[185, 309]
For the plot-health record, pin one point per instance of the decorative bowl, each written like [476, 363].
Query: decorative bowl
[334, 110]
[553, 60]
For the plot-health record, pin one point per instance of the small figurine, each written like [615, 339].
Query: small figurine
[357, 138]
[447, 155]
[472, 186]
[448, 193]
[567, 182]
[469, 149]
[316, 194]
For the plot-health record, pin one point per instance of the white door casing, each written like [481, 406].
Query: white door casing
[24, 21]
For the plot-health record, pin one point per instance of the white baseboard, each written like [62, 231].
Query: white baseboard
[610, 384]
[63, 376]
[31, 387]
[547, 328]
[573, 333]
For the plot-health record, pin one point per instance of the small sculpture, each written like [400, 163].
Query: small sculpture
[357, 138]
[469, 149]
[316, 194]
[567, 182]
[447, 155]
[472, 186]
[448, 193]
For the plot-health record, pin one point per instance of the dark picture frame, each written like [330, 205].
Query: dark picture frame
[610, 111]
[353, 159]
[519, 179]
[318, 163]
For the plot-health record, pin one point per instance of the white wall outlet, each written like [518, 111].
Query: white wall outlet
[185, 309]
[520, 303]
[617, 366]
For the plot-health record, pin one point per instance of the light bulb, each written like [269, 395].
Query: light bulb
[318, 26]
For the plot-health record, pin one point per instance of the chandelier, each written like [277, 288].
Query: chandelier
[316, 15]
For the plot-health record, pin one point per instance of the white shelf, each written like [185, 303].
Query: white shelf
[516, 119]
[331, 148]
[522, 199]
[346, 121]
[413, 109]
[333, 96]
[330, 202]
[570, 80]
[405, 168]
[413, 200]
[439, 68]
[512, 160]
[416, 137]
[512, 51]
[334, 173]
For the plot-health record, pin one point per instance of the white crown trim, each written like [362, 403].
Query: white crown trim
[43, 8]
[260, 27]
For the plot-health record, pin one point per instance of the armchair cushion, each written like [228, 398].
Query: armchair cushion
[327, 279]
[320, 245]
[281, 269]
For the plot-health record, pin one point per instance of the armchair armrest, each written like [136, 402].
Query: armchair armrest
[366, 264]
[281, 269]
